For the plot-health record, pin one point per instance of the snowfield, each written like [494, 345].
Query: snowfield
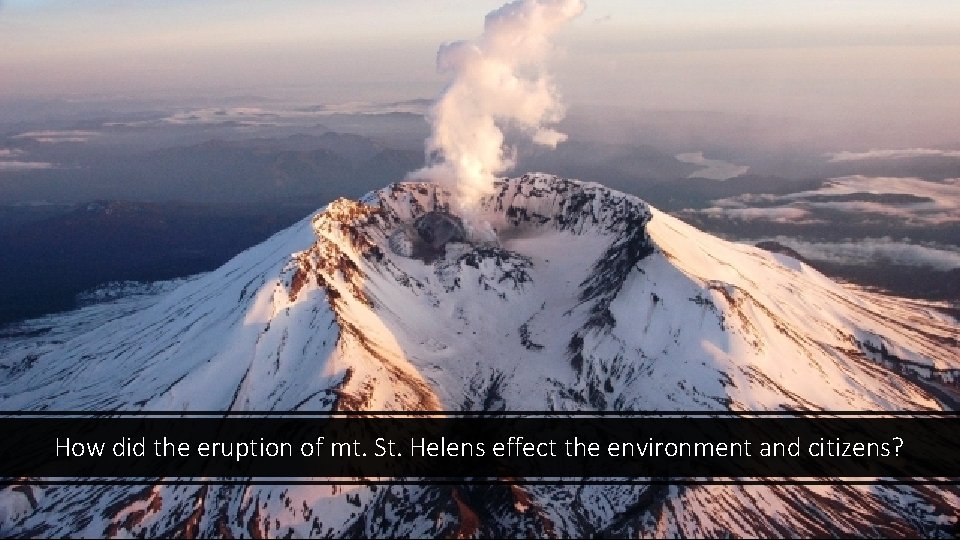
[583, 299]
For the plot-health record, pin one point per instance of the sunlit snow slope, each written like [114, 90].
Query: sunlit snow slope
[588, 300]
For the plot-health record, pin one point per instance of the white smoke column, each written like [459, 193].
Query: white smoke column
[498, 79]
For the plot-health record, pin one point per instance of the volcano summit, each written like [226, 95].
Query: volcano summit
[588, 300]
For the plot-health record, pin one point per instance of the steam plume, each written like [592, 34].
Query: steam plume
[498, 79]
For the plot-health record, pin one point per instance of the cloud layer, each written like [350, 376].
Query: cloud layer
[911, 201]
[713, 169]
[904, 153]
[869, 251]
[6, 166]
[58, 136]
[11, 161]
[242, 117]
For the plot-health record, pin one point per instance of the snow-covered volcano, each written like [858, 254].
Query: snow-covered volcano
[565, 296]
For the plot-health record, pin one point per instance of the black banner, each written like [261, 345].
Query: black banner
[474, 448]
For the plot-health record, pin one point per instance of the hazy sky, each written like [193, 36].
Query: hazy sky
[838, 58]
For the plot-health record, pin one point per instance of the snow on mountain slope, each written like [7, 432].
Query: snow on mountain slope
[588, 299]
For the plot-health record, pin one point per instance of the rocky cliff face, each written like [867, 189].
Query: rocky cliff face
[565, 296]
